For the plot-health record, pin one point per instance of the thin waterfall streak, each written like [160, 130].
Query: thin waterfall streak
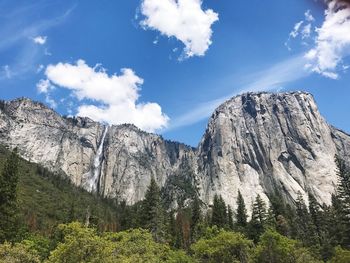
[92, 180]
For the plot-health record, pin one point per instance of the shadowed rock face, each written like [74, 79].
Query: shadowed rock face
[255, 143]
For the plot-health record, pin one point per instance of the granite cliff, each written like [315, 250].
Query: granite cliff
[256, 143]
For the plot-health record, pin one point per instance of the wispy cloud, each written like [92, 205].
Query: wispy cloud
[40, 40]
[271, 79]
[23, 35]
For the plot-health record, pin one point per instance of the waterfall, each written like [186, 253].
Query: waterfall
[93, 176]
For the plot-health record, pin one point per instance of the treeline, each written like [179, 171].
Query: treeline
[151, 232]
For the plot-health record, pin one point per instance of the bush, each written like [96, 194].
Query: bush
[273, 247]
[18, 253]
[223, 247]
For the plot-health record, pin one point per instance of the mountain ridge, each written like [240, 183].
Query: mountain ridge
[238, 150]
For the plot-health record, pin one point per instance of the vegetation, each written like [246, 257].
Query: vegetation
[43, 218]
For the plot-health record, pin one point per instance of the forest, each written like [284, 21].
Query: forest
[44, 218]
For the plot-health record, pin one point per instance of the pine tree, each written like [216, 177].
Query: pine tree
[278, 205]
[306, 230]
[343, 196]
[258, 220]
[8, 199]
[316, 216]
[241, 212]
[219, 212]
[196, 218]
[230, 224]
[259, 210]
[153, 212]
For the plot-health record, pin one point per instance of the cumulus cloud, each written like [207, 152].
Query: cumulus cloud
[182, 19]
[40, 40]
[332, 42]
[117, 94]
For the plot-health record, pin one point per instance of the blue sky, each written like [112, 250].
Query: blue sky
[175, 77]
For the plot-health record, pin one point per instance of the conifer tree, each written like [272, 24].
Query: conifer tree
[230, 218]
[196, 214]
[8, 199]
[306, 230]
[219, 212]
[258, 220]
[153, 212]
[196, 217]
[343, 196]
[316, 216]
[241, 212]
[259, 210]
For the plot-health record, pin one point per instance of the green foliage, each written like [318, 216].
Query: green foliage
[18, 253]
[306, 230]
[223, 247]
[153, 211]
[341, 256]
[258, 221]
[241, 212]
[138, 245]
[196, 219]
[81, 244]
[37, 200]
[219, 212]
[343, 196]
[8, 198]
[38, 243]
[230, 218]
[273, 247]
[29, 194]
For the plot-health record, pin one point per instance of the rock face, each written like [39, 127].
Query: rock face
[256, 143]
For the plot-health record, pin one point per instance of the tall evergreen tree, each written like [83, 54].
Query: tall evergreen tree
[219, 212]
[153, 211]
[196, 217]
[241, 212]
[230, 224]
[258, 220]
[259, 210]
[306, 230]
[316, 217]
[343, 196]
[8, 199]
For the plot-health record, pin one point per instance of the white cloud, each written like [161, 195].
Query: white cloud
[44, 86]
[40, 40]
[296, 29]
[306, 31]
[308, 16]
[332, 42]
[182, 19]
[118, 94]
[302, 28]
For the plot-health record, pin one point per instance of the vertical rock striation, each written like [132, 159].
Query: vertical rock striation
[258, 143]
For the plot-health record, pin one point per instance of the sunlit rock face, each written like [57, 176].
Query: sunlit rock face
[258, 143]
[117, 161]
[261, 142]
